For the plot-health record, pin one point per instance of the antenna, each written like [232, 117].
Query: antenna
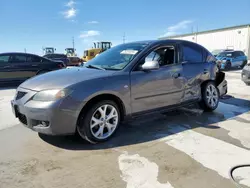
[124, 37]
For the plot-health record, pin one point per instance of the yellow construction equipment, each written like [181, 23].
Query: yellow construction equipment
[49, 50]
[70, 52]
[99, 47]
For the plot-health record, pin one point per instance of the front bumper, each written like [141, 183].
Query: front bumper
[44, 117]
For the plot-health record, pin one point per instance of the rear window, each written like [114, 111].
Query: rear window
[18, 58]
[192, 54]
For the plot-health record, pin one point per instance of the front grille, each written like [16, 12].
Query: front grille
[20, 94]
[22, 118]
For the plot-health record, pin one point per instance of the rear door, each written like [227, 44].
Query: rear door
[34, 64]
[195, 70]
[236, 59]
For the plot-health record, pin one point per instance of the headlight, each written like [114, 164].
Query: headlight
[51, 95]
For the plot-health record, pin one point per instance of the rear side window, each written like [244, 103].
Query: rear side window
[192, 54]
[33, 59]
[242, 53]
[18, 58]
[4, 58]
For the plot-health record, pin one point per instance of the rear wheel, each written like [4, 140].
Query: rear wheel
[210, 97]
[100, 122]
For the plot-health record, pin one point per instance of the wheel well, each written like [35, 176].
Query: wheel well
[102, 97]
[205, 82]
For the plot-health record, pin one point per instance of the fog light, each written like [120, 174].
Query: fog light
[43, 124]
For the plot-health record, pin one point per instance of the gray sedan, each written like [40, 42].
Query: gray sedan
[123, 82]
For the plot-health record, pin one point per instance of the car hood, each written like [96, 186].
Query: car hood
[63, 78]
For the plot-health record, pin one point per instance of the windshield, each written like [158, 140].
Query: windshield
[117, 57]
[225, 54]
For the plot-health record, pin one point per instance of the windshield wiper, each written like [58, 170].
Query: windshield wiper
[95, 67]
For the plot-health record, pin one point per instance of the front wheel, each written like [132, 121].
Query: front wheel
[100, 122]
[210, 97]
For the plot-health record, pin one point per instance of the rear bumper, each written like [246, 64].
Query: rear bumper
[222, 87]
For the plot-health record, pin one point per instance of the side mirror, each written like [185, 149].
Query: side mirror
[150, 65]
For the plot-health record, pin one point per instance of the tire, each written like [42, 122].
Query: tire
[247, 83]
[209, 103]
[243, 64]
[97, 133]
[228, 65]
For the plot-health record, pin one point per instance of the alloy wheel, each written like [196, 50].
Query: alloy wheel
[212, 95]
[104, 121]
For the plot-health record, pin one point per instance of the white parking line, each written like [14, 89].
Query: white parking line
[139, 172]
[239, 131]
[210, 152]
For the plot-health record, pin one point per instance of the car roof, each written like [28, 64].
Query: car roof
[159, 42]
[56, 54]
[17, 53]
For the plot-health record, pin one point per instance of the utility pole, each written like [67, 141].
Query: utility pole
[196, 34]
[124, 37]
[73, 42]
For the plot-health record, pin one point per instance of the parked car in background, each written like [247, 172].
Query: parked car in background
[123, 82]
[58, 57]
[228, 59]
[216, 52]
[21, 66]
[245, 74]
[75, 61]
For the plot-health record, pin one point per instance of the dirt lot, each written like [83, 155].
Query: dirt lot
[184, 148]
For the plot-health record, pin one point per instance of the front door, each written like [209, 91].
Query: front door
[157, 88]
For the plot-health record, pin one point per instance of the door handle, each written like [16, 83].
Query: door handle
[176, 75]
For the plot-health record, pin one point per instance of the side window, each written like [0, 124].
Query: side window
[18, 58]
[236, 54]
[164, 56]
[210, 58]
[192, 54]
[32, 59]
[4, 58]
[153, 56]
[242, 54]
